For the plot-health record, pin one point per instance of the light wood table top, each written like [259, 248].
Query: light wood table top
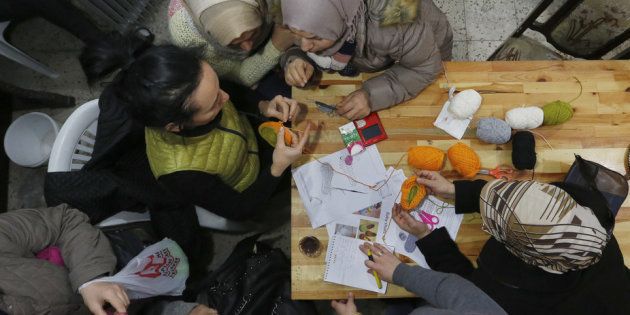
[599, 131]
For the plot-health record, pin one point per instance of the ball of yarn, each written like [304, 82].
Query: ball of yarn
[425, 158]
[464, 160]
[525, 117]
[524, 150]
[557, 112]
[465, 104]
[493, 130]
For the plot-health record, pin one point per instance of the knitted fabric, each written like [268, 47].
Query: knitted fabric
[425, 158]
[412, 193]
[464, 160]
[247, 72]
[269, 131]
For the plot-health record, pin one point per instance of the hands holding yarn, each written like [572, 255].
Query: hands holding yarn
[436, 184]
[280, 107]
[284, 155]
[410, 225]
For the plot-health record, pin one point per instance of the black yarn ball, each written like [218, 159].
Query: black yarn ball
[523, 150]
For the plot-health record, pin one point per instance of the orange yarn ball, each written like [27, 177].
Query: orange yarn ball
[464, 160]
[425, 158]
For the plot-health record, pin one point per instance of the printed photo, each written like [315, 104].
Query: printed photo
[373, 211]
[346, 230]
[368, 230]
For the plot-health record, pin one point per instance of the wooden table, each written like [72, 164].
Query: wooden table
[598, 131]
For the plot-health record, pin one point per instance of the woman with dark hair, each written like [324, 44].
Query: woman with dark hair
[198, 145]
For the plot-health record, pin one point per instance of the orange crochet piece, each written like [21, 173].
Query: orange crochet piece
[269, 131]
[464, 160]
[425, 158]
[412, 194]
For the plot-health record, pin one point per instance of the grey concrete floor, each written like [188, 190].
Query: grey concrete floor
[480, 26]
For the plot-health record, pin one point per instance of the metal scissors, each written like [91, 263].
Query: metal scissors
[429, 219]
[499, 172]
[325, 108]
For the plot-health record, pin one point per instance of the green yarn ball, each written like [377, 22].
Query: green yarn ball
[557, 112]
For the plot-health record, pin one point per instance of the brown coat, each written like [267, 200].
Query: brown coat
[33, 286]
[410, 54]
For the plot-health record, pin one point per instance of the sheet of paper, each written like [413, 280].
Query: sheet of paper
[365, 167]
[325, 203]
[367, 223]
[405, 243]
[345, 265]
[449, 123]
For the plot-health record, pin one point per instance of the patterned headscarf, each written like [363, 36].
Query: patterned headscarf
[336, 20]
[542, 225]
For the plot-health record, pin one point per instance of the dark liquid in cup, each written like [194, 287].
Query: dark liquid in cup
[310, 246]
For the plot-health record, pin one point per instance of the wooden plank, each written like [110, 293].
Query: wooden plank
[598, 131]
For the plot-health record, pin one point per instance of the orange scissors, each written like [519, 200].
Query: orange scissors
[499, 172]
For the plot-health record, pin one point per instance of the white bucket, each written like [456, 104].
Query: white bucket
[30, 138]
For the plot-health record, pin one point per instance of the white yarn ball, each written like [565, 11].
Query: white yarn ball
[525, 117]
[465, 104]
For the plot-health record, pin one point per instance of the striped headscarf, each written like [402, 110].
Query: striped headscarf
[542, 225]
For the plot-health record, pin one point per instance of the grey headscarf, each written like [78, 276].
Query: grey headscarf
[336, 20]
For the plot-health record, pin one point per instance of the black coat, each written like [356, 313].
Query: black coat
[118, 177]
[603, 288]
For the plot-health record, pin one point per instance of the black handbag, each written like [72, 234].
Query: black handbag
[255, 279]
[611, 186]
[128, 240]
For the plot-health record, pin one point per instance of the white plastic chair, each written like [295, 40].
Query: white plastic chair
[11, 52]
[73, 149]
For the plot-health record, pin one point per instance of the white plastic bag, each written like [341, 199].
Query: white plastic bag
[160, 269]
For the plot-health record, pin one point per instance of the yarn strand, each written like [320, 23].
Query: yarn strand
[581, 89]
[543, 137]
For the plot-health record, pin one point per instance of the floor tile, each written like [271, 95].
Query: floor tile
[480, 50]
[460, 50]
[454, 10]
[489, 20]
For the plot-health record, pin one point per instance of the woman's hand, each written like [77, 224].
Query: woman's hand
[298, 72]
[282, 38]
[280, 107]
[436, 184]
[283, 155]
[408, 223]
[384, 261]
[346, 307]
[97, 294]
[355, 106]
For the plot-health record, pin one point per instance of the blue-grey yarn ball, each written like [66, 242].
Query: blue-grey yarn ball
[493, 130]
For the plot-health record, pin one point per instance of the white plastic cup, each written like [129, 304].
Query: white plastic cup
[30, 138]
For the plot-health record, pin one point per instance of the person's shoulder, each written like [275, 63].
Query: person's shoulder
[392, 12]
[181, 25]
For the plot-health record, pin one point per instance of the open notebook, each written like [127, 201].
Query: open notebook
[345, 264]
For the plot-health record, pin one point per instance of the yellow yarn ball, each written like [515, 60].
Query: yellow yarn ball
[425, 158]
[557, 112]
[464, 160]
